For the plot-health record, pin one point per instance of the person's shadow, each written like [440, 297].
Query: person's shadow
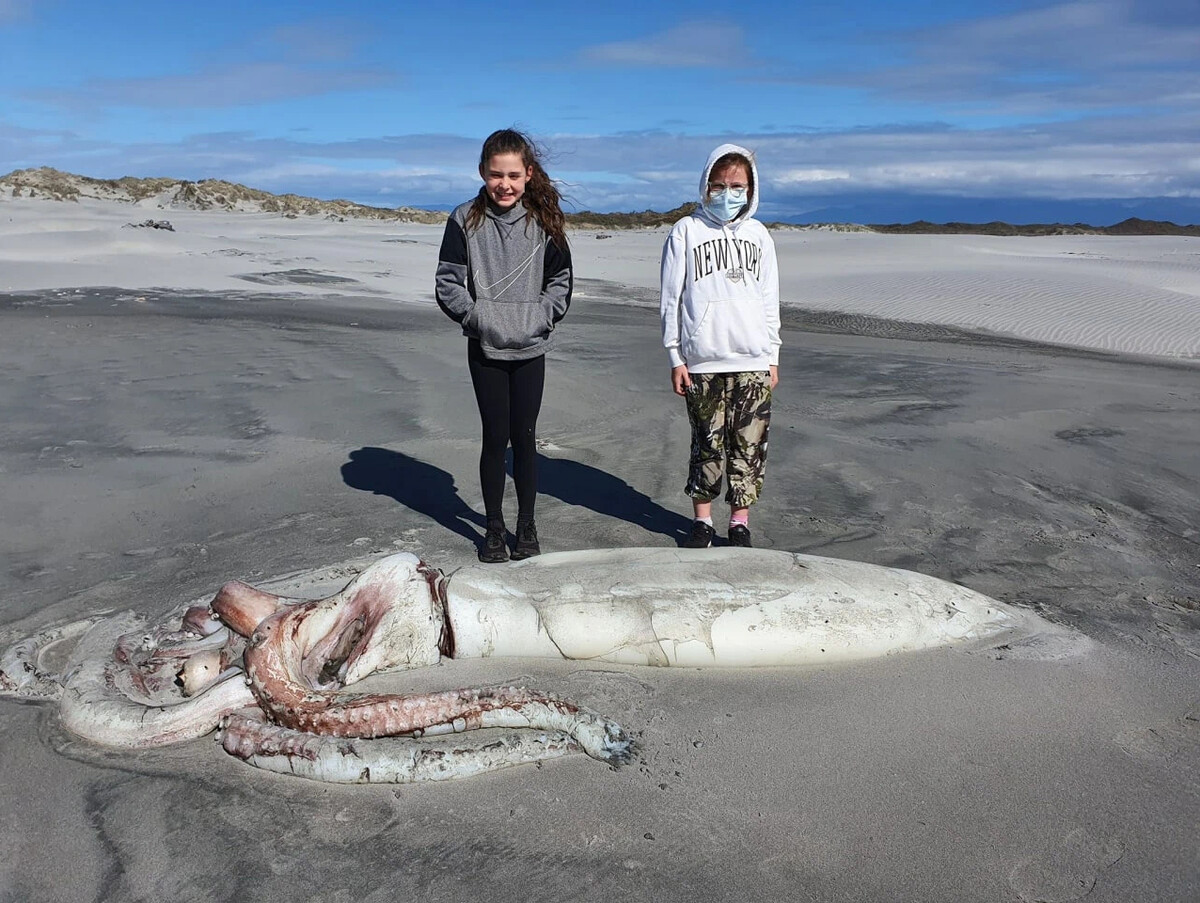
[589, 487]
[422, 487]
[430, 491]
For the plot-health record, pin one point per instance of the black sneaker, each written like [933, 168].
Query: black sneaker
[494, 549]
[739, 535]
[701, 536]
[527, 542]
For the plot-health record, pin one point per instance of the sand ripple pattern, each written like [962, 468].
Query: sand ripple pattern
[1135, 295]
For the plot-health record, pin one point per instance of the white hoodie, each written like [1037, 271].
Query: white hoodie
[712, 320]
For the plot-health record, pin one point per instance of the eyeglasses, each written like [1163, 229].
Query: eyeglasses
[736, 191]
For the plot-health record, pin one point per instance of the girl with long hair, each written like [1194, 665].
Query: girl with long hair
[504, 274]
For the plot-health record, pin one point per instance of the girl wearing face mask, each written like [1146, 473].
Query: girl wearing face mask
[720, 323]
[504, 274]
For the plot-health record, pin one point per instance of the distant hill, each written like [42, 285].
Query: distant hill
[217, 194]
[1131, 226]
[206, 194]
[896, 207]
[652, 219]
[647, 219]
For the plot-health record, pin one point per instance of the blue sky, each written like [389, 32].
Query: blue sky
[877, 109]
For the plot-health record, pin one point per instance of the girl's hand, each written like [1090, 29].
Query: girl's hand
[774, 375]
[681, 380]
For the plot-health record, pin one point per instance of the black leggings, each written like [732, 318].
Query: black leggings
[509, 394]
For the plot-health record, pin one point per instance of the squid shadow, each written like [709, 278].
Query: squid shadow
[422, 487]
[600, 491]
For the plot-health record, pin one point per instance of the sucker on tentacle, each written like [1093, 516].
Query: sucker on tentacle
[289, 658]
[391, 760]
[200, 619]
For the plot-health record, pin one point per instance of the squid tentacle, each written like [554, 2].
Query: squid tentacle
[94, 707]
[392, 760]
[279, 665]
[23, 671]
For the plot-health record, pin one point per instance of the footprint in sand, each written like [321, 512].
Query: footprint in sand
[1051, 646]
[1174, 745]
[1066, 871]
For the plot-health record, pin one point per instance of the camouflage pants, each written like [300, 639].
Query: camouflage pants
[730, 414]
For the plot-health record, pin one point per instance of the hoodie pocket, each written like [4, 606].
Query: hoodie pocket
[513, 326]
[470, 322]
[729, 328]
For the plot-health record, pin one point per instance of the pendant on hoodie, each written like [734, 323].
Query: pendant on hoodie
[735, 274]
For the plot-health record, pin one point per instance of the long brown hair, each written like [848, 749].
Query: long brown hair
[541, 197]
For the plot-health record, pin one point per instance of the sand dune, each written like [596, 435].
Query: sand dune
[1137, 295]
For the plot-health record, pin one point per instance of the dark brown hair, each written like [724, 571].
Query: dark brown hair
[733, 159]
[541, 198]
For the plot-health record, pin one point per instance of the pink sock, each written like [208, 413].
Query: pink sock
[740, 521]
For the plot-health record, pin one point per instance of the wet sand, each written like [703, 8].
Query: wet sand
[155, 445]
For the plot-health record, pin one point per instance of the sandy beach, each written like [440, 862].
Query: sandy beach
[250, 397]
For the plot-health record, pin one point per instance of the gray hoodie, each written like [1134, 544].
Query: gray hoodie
[505, 282]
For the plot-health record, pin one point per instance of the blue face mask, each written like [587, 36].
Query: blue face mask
[726, 204]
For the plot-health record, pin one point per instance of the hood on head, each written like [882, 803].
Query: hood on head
[751, 207]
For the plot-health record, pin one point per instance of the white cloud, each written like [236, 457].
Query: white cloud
[805, 176]
[242, 84]
[1098, 158]
[15, 10]
[1082, 56]
[1089, 35]
[694, 44]
[314, 40]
